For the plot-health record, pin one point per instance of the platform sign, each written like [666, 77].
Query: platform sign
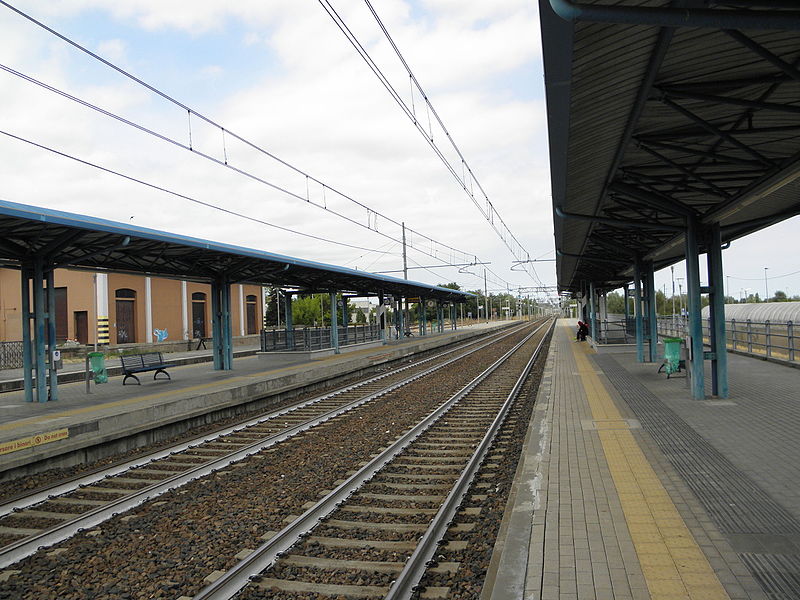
[34, 440]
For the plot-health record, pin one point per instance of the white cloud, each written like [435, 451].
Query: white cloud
[113, 50]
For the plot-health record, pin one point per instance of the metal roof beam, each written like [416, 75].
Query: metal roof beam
[617, 222]
[678, 17]
[655, 200]
[690, 174]
[771, 58]
[716, 130]
[677, 92]
[704, 153]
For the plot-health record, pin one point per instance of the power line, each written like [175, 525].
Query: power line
[371, 214]
[178, 194]
[488, 212]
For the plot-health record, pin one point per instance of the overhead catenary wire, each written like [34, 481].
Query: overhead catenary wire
[226, 163]
[179, 195]
[489, 212]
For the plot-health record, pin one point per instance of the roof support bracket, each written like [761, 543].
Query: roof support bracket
[618, 222]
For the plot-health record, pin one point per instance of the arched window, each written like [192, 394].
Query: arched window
[125, 300]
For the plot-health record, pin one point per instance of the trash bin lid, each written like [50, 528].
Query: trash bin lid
[673, 340]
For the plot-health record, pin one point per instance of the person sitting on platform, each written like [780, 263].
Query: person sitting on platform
[583, 331]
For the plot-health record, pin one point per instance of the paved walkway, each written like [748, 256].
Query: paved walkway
[629, 489]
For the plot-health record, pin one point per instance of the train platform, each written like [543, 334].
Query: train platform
[80, 427]
[628, 489]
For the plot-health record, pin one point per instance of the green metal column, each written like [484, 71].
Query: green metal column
[227, 326]
[381, 312]
[637, 309]
[345, 318]
[216, 328]
[27, 352]
[51, 333]
[695, 322]
[716, 308]
[221, 324]
[592, 313]
[334, 325]
[652, 322]
[401, 324]
[39, 329]
[421, 316]
[287, 317]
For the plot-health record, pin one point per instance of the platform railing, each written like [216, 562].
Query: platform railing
[10, 355]
[778, 341]
[317, 338]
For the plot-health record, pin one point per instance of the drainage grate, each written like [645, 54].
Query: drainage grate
[778, 574]
[733, 500]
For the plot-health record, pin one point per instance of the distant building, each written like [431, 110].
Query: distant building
[361, 304]
[124, 309]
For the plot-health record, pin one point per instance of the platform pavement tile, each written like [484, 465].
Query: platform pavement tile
[652, 548]
[672, 587]
[656, 561]
[706, 592]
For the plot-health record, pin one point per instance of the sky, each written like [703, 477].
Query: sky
[282, 77]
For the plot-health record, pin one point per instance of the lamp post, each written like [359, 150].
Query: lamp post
[766, 285]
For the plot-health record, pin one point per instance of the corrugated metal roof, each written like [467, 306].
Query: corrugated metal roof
[79, 241]
[774, 312]
[716, 135]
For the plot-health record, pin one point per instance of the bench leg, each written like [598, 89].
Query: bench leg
[161, 371]
[132, 376]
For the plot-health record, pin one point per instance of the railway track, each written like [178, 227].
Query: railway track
[378, 532]
[51, 515]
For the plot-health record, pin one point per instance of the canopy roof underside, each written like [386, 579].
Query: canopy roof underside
[650, 125]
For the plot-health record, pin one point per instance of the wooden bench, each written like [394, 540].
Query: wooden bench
[140, 363]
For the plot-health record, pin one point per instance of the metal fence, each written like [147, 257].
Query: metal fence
[757, 338]
[317, 338]
[10, 355]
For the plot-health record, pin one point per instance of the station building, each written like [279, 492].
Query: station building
[119, 308]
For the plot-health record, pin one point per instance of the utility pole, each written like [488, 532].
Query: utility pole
[766, 285]
[405, 276]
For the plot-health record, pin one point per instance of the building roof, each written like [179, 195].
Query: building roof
[650, 125]
[78, 241]
[774, 312]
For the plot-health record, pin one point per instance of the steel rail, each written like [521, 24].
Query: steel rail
[408, 580]
[41, 495]
[263, 557]
[27, 546]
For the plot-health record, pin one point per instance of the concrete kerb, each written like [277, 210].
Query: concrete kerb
[508, 567]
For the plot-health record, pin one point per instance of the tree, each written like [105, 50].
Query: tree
[780, 296]
[615, 304]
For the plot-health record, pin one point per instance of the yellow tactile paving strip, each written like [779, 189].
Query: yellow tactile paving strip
[673, 565]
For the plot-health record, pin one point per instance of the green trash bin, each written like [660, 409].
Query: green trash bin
[97, 363]
[672, 355]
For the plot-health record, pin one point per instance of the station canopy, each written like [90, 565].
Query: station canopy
[76, 241]
[662, 111]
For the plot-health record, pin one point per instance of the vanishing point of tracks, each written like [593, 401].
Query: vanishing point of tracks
[241, 505]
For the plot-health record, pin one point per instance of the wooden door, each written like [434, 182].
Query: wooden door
[126, 322]
[62, 325]
[82, 327]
